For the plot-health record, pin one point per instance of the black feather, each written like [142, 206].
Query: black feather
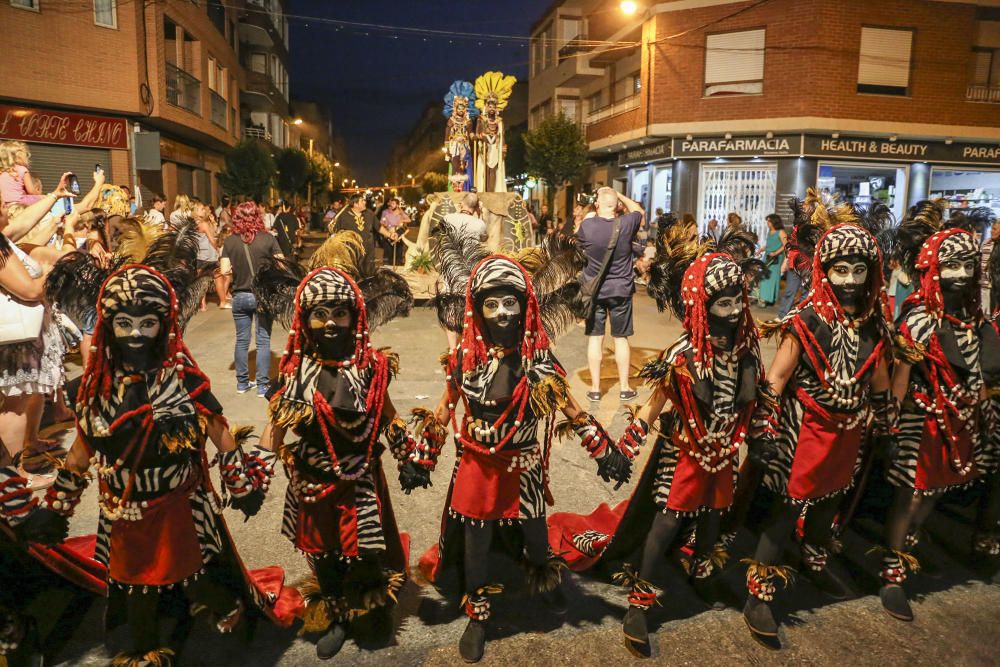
[558, 309]
[387, 296]
[174, 253]
[450, 310]
[676, 248]
[994, 271]
[880, 222]
[189, 301]
[75, 282]
[274, 287]
[738, 242]
[922, 220]
[974, 220]
[455, 254]
[754, 270]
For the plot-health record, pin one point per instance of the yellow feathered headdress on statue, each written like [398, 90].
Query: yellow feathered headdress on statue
[496, 85]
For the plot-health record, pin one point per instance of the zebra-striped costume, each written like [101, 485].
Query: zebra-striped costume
[988, 460]
[822, 420]
[941, 404]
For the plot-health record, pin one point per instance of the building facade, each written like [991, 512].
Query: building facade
[153, 91]
[712, 106]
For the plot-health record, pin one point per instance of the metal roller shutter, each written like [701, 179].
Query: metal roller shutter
[185, 180]
[49, 162]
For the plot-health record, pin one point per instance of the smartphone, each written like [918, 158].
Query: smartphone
[74, 184]
[98, 168]
[68, 205]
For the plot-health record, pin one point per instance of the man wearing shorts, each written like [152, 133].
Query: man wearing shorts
[613, 299]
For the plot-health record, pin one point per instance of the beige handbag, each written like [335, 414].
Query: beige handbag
[19, 322]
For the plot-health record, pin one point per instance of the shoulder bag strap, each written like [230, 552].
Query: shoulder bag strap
[606, 262]
[246, 251]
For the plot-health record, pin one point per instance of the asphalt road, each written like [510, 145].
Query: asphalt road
[956, 612]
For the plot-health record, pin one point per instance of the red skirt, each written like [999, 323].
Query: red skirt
[693, 488]
[331, 524]
[934, 466]
[485, 489]
[825, 456]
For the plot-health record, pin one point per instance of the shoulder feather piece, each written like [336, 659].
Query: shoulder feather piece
[274, 287]
[454, 255]
[387, 296]
[677, 247]
[554, 269]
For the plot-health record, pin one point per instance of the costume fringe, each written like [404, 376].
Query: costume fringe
[482, 591]
[719, 556]
[161, 657]
[770, 329]
[566, 427]
[375, 591]
[629, 579]
[445, 360]
[763, 572]
[657, 371]
[186, 436]
[911, 353]
[424, 420]
[549, 395]
[908, 559]
[288, 414]
[315, 613]
[393, 359]
[545, 577]
[241, 434]
[766, 396]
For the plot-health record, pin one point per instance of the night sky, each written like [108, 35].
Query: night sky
[377, 81]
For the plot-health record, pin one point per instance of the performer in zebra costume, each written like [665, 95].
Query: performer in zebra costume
[333, 394]
[144, 411]
[508, 381]
[986, 541]
[830, 372]
[938, 380]
[711, 376]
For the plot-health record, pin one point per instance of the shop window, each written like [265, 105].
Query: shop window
[106, 13]
[749, 190]
[863, 184]
[967, 189]
[734, 63]
[884, 61]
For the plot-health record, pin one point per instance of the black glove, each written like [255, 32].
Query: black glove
[249, 503]
[412, 475]
[44, 526]
[761, 450]
[614, 467]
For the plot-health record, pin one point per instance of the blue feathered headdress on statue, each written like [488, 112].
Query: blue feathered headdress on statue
[460, 89]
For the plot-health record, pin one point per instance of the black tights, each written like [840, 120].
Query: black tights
[663, 532]
[478, 539]
[142, 608]
[908, 512]
[330, 573]
[781, 523]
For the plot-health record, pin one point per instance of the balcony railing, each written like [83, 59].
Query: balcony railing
[574, 46]
[183, 90]
[621, 106]
[219, 109]
[256, 133]
[983, 93]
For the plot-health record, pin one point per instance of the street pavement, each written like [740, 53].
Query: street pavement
[956, 611]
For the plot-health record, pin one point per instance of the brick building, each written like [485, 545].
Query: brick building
[711, 106]
[175, 78]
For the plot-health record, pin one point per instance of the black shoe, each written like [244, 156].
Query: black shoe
[709, 590]
[593, 395]
[636, 632]
[830, 582]
[330, 644]
[472, 645]
[627, 395]
[555, 600]
[761, 623]
[895, 603]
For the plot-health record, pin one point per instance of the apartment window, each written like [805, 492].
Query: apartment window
[734, 63]
[986, 67]
[258, 63]
[595, 102]
[570, 107]
[106, 13]
[25, 4]
[884, 61]
[627, 86]
[570, 28]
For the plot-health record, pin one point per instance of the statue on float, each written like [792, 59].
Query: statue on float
[459, 110]
[493, 90]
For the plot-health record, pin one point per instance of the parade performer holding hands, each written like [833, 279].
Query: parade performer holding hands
[830, 371]
[508, 381]
[943, 432]
[333, 394]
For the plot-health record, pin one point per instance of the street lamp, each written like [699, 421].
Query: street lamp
[297, 121]
[629, 7]
[336, 164]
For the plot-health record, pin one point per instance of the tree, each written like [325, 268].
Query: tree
[433, 182]
[249, 170]
[320, 169]
[555, 151]
[293, 172]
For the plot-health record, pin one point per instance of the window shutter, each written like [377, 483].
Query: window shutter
[884, 59]
[981, 70]
[734, 56]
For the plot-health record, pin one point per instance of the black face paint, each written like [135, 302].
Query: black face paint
[331, 330]
[724, 312]
[136, 334]
[848, 277]
[503, 315]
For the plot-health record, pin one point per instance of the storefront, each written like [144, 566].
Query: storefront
[60, 141]
[650, 175]
[861, 183]
[967, 187]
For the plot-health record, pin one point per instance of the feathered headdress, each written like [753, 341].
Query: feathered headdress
[925, 239]
[464, 90]
[686, 274]
[494, 85]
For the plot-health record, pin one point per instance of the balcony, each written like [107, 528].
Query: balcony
[220, 109]
[983, 93]
[183, 90]
[578, 44]
[621, 106]
[261, 94]
[258, 133]
[262, 28]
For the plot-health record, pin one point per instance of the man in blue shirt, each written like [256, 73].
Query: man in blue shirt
[613, 298]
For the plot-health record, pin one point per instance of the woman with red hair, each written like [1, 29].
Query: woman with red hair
[243, 253]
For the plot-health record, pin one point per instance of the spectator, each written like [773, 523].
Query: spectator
[581, 211]
[545, 223]
[774, 258]
[990, 301]
[182, 210]
[900, 287]
[392, 228]
[336, 206]
[713, 232]
[207, 260]
[223, 207]
[16, 183]
[286, 229]
[243, 253]
[267, 216]
[467, 220]
[155, 213]
[358, 218]
[613, 296]
[132, 206]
